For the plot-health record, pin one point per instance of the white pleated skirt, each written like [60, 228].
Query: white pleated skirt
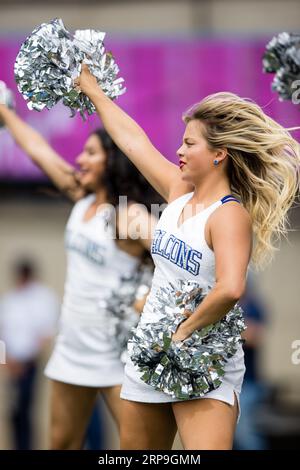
[134, 389]
[85, 355]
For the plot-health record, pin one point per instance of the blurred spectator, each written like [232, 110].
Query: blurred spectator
[253, 391]
[28, 317]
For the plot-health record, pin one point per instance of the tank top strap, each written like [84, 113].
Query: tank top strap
[80, 208]
[209, 210]
[229, 198]
[180, 200]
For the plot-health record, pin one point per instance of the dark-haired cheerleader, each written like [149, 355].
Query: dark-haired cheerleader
[103, 242]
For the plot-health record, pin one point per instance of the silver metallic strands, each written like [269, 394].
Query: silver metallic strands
[195, 366]
[49, 61]
[282, 57]
[6, 97]
[121, 316]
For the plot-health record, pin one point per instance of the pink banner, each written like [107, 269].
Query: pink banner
[163, 78]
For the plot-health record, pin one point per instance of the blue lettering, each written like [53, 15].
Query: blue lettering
[194, 262]
[184, 256]
[157, 241]
[176, 251]
[85, 247]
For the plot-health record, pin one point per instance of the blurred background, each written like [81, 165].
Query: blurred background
[171, 54]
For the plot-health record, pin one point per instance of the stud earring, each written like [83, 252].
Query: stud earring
[216, 162]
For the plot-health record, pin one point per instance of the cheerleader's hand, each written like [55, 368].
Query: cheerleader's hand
[86, 82]
[181, 334]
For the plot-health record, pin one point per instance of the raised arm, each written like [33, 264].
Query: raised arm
[163, 175]
[39, 151]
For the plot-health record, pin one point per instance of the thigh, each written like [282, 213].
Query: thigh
[147, 426]
[70, 410]
[111, 396]
[206, 424]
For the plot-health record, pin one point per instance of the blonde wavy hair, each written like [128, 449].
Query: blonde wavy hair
[263, 164]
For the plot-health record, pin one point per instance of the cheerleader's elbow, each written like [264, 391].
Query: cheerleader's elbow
[234, 291]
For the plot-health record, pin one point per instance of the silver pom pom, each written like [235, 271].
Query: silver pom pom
[195, 366]
[282, 57]
[122, 317]
[49, 61]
